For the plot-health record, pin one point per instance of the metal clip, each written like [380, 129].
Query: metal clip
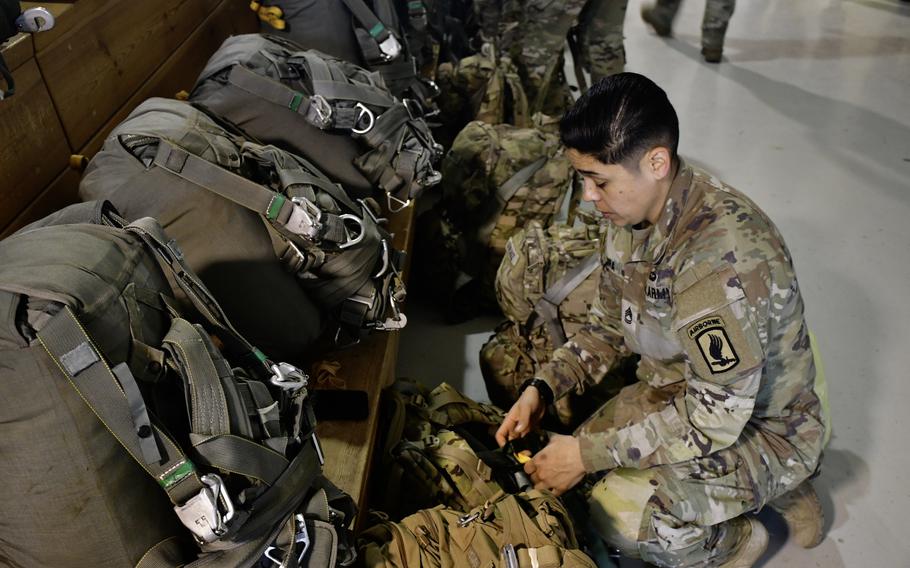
[306, 219]
[201, 514]
[301, 539]
[467, 519]
[385, 260]
[288, 377]
[320, 112]
[393, 324]
[431, 179]
[35, 20]
[413, 107]
[509, 556]
[360, 234]
[390, 48]
[364, 112]
[392, 201]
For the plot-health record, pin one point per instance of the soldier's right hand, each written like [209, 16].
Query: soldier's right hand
[523, 417]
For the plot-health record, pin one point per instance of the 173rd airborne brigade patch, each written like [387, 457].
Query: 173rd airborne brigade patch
[710, 335]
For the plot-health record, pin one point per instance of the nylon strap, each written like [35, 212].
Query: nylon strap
[239, 455]
[367, 19]
[547, 307]
[269, 90]
[98, 387]
[141, 421]
[505, 192]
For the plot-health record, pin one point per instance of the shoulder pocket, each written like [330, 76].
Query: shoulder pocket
[716, 328]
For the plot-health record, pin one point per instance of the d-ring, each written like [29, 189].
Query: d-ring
[351, 242]
[364, 111]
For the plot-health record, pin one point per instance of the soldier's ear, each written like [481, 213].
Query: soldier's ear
[658, 162]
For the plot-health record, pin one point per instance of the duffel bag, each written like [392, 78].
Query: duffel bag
[334, 113]
[527, 530]
[138, 434]
[236, 206]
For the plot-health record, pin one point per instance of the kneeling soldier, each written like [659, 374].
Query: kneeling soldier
[725, 416]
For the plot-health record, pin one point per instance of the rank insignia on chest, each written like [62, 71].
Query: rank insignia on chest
[711, 337]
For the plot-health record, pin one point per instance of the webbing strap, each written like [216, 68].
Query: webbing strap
[141, 420]
[505, 192]
[74, 352]
[335, 90]
[547, 307]
[367, 19]
[269, 90]
[208, 408]
[239, 455]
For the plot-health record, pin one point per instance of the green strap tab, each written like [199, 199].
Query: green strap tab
[295, 102]
[176, 475]
[377, 29]
[275, 206]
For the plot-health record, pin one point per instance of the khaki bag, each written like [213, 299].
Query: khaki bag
[264, 228]
[426, 460]
[545, 286]
[528, 530]
[129, 438]
[335, 114]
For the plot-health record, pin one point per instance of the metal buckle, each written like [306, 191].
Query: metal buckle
[392, 201]
[385, 259]
[361, 233]
[467, 519]
[311, 214]
[323, 111]
[364, 112]
[301, 539]
[393, 324]
[201, 513]
[510, 557]
[390, 48]
[288, 377]
[431, 179]
[413, 107]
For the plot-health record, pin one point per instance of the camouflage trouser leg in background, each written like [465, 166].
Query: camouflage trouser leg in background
[678, 515]
[713, 25]
[600, 33]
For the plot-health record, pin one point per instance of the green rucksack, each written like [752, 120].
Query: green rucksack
[528, 530]
[426, 458]
[264, 228]
[129, 437]
[545, 286]
[333, 113]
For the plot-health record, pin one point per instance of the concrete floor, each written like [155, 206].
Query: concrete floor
[809, 114]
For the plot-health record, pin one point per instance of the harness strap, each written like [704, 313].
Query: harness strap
[546, 309]
[74, 352]
[368, 20]
[505, 192]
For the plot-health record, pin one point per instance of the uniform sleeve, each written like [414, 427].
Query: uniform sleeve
[589, 355]
[721, 331]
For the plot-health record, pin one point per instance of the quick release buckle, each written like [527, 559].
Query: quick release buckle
[208, 513]
[305, 219]
[288, 377]
[390, 48]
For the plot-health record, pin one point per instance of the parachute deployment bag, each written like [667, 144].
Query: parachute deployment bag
[335, 114]
[235, 206]
[129, 438]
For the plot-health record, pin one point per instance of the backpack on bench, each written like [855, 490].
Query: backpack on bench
[329, 111]
[237, 207]
[138, 433]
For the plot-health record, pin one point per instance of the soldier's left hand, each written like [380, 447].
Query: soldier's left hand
[558, 467]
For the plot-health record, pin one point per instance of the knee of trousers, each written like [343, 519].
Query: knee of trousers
[619, 505]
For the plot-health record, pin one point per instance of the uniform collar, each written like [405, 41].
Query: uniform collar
[652, 246]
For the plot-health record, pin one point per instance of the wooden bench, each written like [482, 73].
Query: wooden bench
[76, 82]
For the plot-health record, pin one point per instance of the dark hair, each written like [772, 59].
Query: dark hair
[619, 118]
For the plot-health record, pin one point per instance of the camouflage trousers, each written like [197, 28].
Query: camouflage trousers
[678, 515]
[713, 25]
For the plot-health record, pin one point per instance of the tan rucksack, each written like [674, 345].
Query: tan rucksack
[545, 285]
[528, 530]
[426, 459]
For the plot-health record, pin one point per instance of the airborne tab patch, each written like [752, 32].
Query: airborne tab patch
[711, 337]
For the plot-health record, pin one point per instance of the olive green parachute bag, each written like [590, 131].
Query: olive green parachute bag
[527, 530]
[545, 286]
[280, 245]
[129, 438]
[329, 111]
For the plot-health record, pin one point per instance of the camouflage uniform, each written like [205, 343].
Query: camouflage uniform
[725, 416]
[534, 33]
[713, 25]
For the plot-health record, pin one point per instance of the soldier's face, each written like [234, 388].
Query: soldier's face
[624, 195]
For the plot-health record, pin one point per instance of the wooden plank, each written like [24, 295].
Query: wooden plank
[17, 50]
[34, 150]
[349, 446]
[182, 68]
[104, 59]
[67, 16]
[60, 193]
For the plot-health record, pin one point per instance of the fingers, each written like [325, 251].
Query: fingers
[515, 424]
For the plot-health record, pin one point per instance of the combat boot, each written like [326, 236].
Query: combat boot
[662, 26]
[803, 514]
[752, 544]
[712, 54]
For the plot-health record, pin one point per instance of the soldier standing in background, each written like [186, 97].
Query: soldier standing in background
[728, 413]
[713, 26]
[534, 33]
